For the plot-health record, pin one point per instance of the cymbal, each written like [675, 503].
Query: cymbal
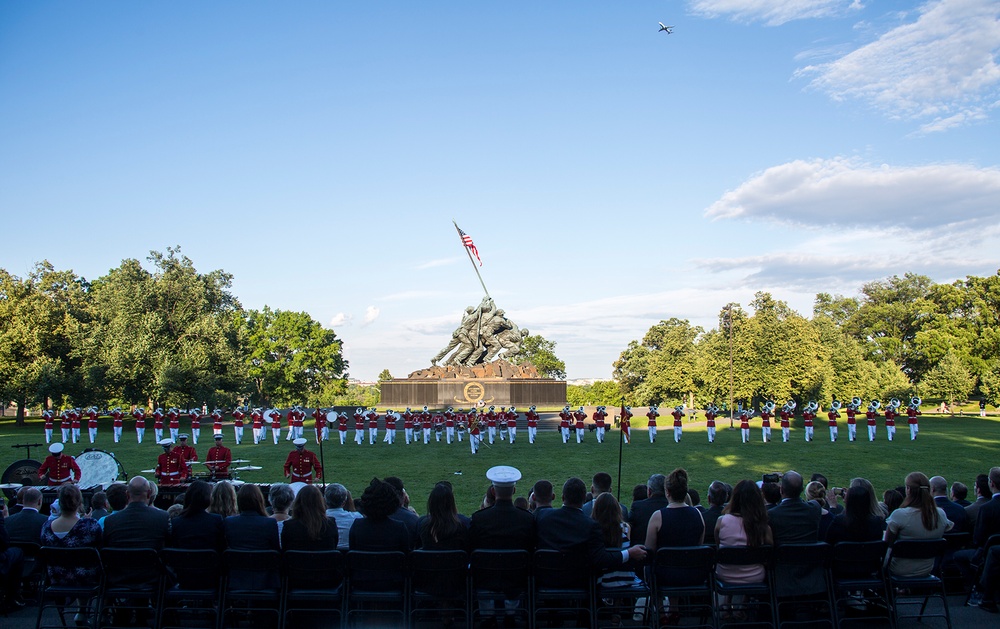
[146, 471]
[11, 486]
[240, 461]
[249, 468]
[215, 462]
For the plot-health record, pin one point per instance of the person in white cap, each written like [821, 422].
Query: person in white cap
[219, 459]
[301, 464]
[171, 467]
[59, 468]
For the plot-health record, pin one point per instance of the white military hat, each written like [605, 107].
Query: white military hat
[503, 475]
[218, 436]
[56, 448]
[300, 442]
[166, 441]
[182, 436]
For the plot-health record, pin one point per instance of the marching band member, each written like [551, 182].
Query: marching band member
[491, 424]
[911, 417]
[599, 424]
[372, 426]
[564, 418]
[449, 425]
[319, 417]
[140, 423]
[852, 420]
[390, 426]
[60, 468]
[291, 420]
[408, 425]
[158, 424]
[461, 425]
[786, 416]
[426, 420]
[275, 416]
[342, 426]
[438, 423]
[257, 425]
[219, 459]
[872, 415]
[474, 438]
[580, 416]
[173, 417]
[766, 413]
[298, 425]
[64, 425]
[47, 415]
[677, 414]
[626, 424]
[92, 423]
[195, 416]
[216, 422]
[74, 424]
[532, 418]
[654, 412]
[512, 424]
[710, 413]
[890, 418]
[117, 424]
[502, 422]
[238, 414]
[359, 426]
[171, 468]
[301, 464]
[832, 416]
[189, 453]
[744, 422]
[808, 415]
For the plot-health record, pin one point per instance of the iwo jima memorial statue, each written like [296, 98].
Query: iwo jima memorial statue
[473, 369]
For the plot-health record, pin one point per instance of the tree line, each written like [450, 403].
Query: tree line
[169, 336]
[899, 337]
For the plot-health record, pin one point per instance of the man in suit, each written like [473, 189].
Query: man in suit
[26, 525]
[987, 524]
[718, 496]
[955, 512]
[138, 525]
[795, 521]
[542, 497]
[403, 513]
[983, 495]
[502, 527]
[11, 570]
[960, 494]
[642, 510]
[601, 484]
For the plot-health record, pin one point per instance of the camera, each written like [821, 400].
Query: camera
[771, 478]
[838, 491]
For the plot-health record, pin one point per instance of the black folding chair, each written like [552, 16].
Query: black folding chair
[73, 599]
[132, 586]
[33, 576]
[813, 607]
[859, 584]
[439, 586]
[501, 584]
[251, 586]
[564, 587]
[756, 606]
[192, 593]
[905, 591]
[314, 584]
[685, 576]
[377, 584]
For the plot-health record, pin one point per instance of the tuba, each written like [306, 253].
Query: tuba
[915, 402]
[835, 405]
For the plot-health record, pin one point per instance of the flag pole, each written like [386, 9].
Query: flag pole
[471, 261]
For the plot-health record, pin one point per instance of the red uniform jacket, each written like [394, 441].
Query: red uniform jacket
[171, 468]
[532, 418]
[300, 464]
[61, 469]
[222, 454]
[599, 418]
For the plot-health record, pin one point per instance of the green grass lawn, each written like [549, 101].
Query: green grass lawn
[957, 448]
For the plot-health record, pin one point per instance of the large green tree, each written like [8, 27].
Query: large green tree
[949, 380]
[538, 351]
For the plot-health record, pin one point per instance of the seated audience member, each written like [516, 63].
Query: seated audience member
[251, 529]
[856, 523]
[223, 501]
[174, 510]
[639, 492]
[615, 532]
[873, 504]
[541, 498]
[11, 571]
[26, 525]
[771, 493]
[194, 528]
[405, 513]
[281, 497]
[138, 525]
[441, 528]
[600, 484]
[891, 500]
[816, 493]
[694, 499]
[718, 496]
[69, 530]
[309, 527]
[337, 498]
[521, 503]
[983, 495]
[654, 498]
[18, 504]
[377, 531]
[676, 524]
[743, 523]
[954, 512]
[960, 494]
[917, 518]
[98, 505]
[117, 499]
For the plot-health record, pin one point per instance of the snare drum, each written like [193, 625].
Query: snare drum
[98, 468]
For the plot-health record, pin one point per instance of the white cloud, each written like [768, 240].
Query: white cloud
[771, 12]
[340, 319]
[845, 192]
[371, 313]
[943, 66]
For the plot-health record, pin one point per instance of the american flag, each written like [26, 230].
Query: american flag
[467, 241]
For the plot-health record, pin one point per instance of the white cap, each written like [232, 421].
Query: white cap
[182, 436]
[218, 436]
[300, 442]
[503, 475]
[166, 441]
[56, 448]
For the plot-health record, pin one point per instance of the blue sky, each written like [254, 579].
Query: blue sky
[610, 175]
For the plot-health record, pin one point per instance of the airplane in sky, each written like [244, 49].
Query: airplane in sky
[667, 29]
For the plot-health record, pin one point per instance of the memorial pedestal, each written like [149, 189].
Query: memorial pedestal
[467, 392]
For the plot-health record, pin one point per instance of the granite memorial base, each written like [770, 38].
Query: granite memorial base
[462, 393]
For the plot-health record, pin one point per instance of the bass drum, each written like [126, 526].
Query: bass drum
[98, 469]
[24, 472]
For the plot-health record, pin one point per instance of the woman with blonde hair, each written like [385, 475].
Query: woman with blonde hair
[223, 500]
[917, 518]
